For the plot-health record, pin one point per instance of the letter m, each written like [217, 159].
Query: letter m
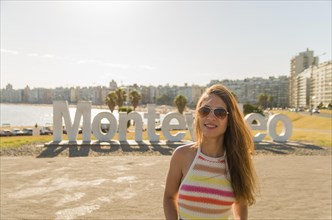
[61, 110]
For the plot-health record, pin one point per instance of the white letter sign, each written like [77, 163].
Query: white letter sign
[186, 121]
[286, 131]
[261, 125]
[166, 126]
[61, 110]
[96, 126]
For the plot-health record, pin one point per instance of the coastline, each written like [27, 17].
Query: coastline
[22, 115]
[27, 115]
[140, 108]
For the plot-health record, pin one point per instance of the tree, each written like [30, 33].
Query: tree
[111, 100]
[120, 97]
[181, 102]
[271, 100]
[248, 108]
[262, 100]
[134, 97]
[164, 99]
[127, 110]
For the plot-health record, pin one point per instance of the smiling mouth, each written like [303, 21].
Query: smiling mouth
[210, 126]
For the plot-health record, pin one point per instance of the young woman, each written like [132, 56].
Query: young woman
[213, 178]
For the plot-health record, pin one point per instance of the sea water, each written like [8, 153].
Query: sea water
[29, 115]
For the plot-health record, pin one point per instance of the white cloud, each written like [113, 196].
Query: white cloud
[107, 75]
[115, 65]
[209, 74]
[89, 61]
[118, 65]
[116, 75]
[102, 63]
[9, 51]
[147, 67]
[32, 55]
[48, 56]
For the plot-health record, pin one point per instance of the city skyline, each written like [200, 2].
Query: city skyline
[141, 85]
[64, 44]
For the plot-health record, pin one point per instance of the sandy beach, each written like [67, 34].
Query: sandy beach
[130, 186]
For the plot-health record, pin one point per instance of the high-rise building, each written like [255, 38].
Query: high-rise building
[113, 85]
[321, 85]
[297, 65]
[303, 88]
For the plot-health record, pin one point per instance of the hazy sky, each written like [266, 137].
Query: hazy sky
[88, 43]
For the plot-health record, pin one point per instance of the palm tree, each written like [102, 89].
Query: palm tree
[134, 97]
[121, 97]
[181, 102]
[111, 100]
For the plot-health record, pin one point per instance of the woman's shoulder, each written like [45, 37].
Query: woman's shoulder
[185, 150]
[183, 156]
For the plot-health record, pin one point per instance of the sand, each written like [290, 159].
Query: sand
[131, 187]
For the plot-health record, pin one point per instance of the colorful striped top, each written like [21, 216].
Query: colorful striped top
[206, 191]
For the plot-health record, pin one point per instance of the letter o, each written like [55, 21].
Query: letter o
[286, 132]
[97, 130]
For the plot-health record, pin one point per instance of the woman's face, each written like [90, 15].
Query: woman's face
[213, 126]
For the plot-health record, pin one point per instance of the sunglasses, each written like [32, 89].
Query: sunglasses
[220, 113]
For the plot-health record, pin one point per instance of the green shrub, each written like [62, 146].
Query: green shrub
[248, 108]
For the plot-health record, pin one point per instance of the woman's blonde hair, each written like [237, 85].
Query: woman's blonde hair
[238, 143]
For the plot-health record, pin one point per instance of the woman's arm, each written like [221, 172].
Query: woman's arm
[172, 186]
[240, 211]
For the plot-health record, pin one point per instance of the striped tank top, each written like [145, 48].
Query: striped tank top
[206, 191]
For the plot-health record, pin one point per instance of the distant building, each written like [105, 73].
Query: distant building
[73, 95]
[9, 94]
[44, 96]
[310, 82]
[248, 90]
[297, 65]
[61, 93]
[104, 93]
[192, 93]
[303, 88]
[113, 85]
[321, 84]
[145, 91]
[26, 94]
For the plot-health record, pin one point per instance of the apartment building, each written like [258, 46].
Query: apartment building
[297, 65]
[10, 95]
[192, 93]
[321, 84]
[249, 89]
[303, 88]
